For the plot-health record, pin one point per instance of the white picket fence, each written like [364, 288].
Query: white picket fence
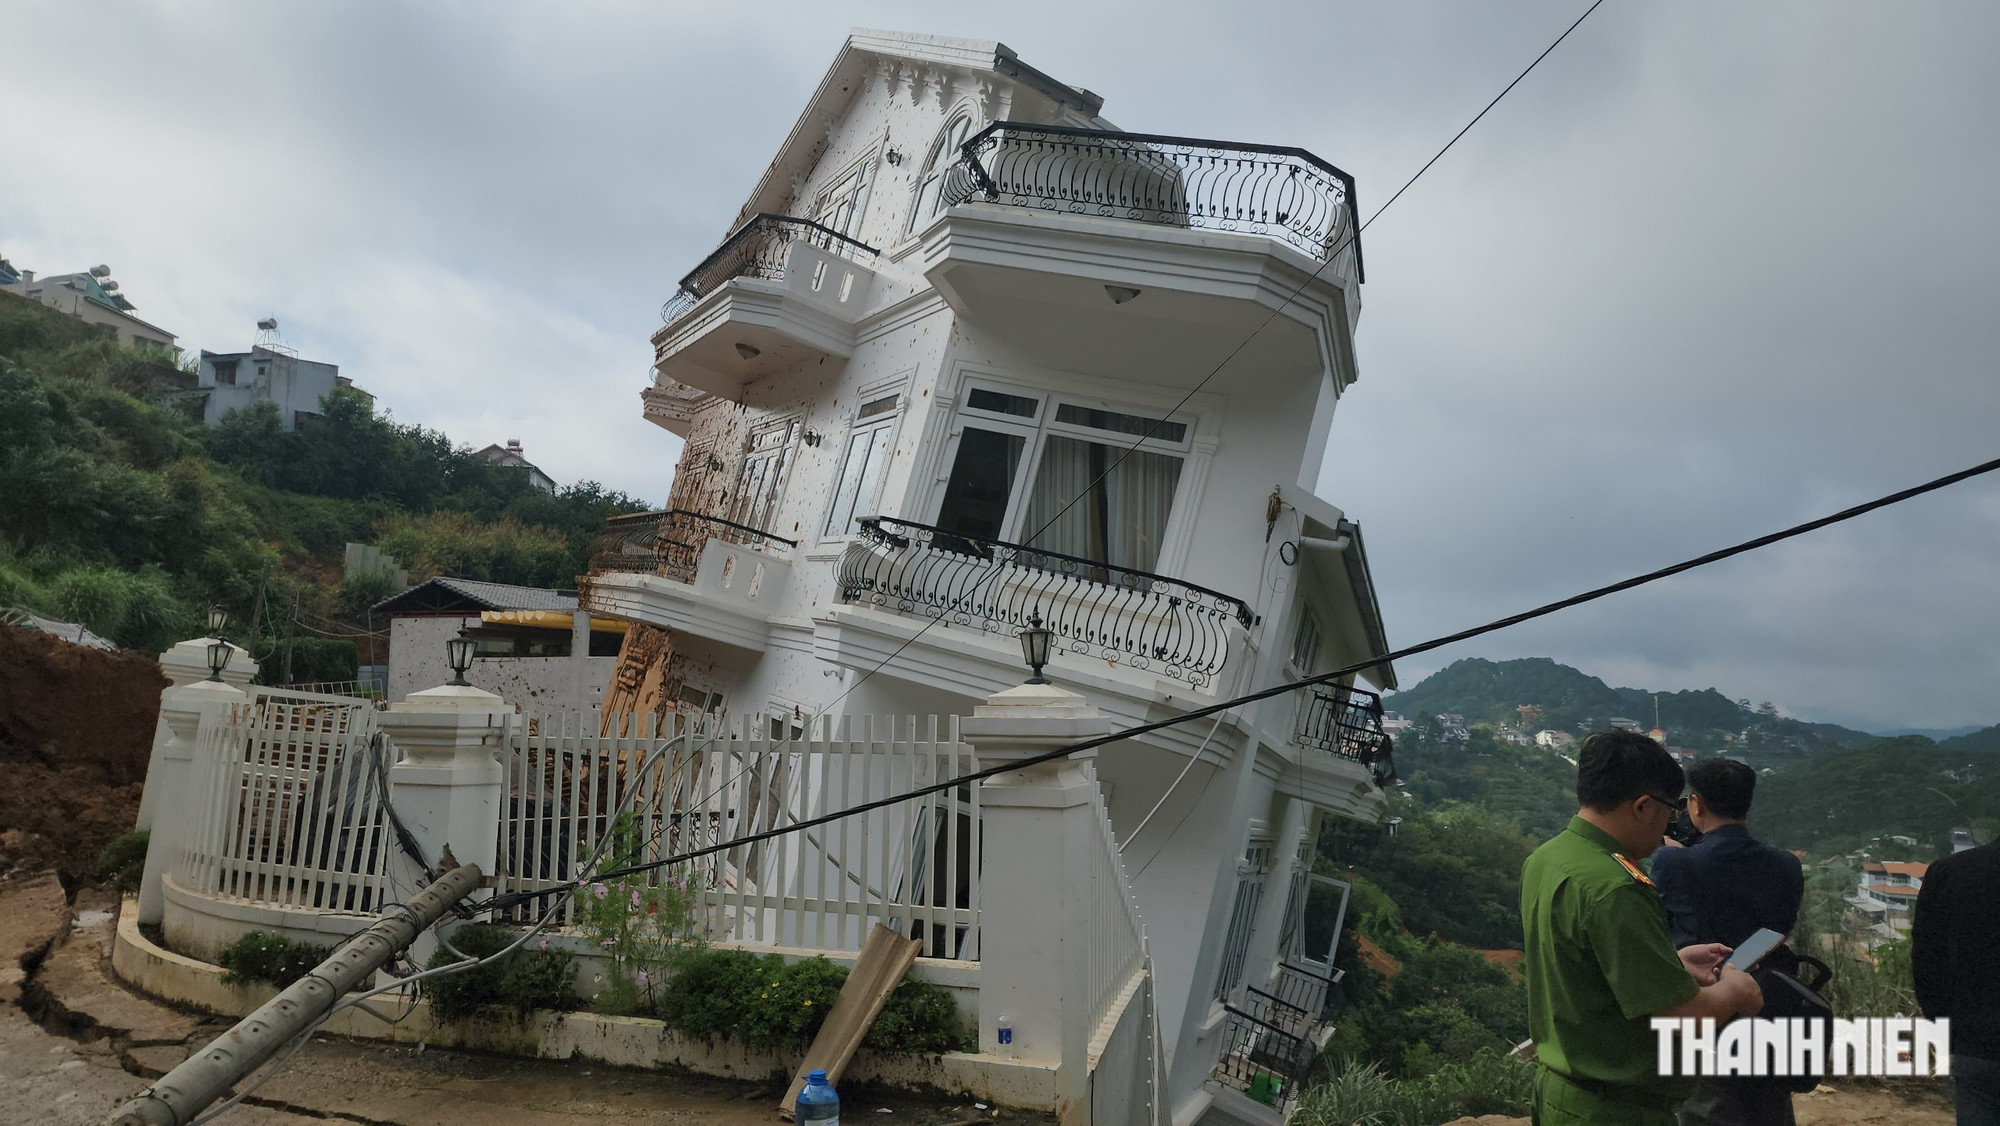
[1117, 939]
[695, 785]
[288, 805]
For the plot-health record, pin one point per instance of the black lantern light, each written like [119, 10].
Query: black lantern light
[458, 654]
[1035, 647]
[219, 652]
[217, 619]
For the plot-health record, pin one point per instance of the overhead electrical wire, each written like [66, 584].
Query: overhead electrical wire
[1541, 611]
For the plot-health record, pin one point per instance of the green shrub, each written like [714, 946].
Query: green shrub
[123, 861]
[526, 979]
[761, 1001]
[271, 959]
[1359, 1093]
[920, 1017]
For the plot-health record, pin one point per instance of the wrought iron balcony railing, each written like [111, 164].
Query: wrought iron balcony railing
[1309, 992]
[1129, 617]
[1343, 721]
[1283, 193]
[1261, 1060]
[758, 249]
[669, 543]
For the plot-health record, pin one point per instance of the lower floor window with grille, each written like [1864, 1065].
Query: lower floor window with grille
[1242, 917]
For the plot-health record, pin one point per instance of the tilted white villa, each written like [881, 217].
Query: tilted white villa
[969, 363]
[945, 323]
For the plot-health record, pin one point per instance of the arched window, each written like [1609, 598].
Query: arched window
[930, 185]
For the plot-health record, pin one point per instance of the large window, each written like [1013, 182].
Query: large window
[1250, 873]
[841, 205]
[766, 464]
[862, 466]
[944, 151]
[1064, 476]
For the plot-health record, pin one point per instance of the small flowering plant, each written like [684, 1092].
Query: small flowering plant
[645, 923]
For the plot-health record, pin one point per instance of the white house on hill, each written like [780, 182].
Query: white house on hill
[969, 356]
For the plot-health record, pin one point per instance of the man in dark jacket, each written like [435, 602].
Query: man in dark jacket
[1723, 889]
[1955, 961]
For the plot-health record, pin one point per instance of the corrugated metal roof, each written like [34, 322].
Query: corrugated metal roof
[444, 593]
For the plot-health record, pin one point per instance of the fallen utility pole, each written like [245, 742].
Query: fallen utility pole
[181, 1094]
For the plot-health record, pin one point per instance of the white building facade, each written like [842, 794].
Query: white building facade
[973, 358]
[231, 381]
[90, 296]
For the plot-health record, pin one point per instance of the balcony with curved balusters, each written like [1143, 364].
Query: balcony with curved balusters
[1120, 617]
[1115, 252]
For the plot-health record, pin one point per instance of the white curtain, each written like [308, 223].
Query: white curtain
[1121, 509]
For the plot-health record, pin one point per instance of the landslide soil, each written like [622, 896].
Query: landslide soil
[76, 728]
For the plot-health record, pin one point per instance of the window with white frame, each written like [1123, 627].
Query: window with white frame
[930, 184]
[840, 207]
[1075, 476]
[767, 462]
[1250, 876]
[863, 465]
[1305, 641]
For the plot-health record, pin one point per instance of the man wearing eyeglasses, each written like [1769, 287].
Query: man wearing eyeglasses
[1598, 960]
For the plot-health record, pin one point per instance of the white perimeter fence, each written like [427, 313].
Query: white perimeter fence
[287, 804]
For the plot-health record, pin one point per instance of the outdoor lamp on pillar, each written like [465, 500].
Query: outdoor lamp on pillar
[458, 654]
[217, 618]
[1035, 647]
[218, 650]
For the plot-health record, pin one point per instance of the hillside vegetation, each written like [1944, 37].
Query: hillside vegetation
[1492, 692]
[122, 512]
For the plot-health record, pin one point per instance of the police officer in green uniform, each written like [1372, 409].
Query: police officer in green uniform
[1598, 961]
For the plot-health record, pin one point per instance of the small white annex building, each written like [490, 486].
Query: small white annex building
[530, 646]
[968, 357]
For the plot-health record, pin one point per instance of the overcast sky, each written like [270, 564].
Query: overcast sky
[1713, 269]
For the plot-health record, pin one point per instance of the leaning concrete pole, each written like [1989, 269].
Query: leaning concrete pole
[181, 1094]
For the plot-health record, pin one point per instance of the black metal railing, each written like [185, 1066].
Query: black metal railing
[1283, 193]
[1342, 721]
[1261, 1060]
[757, 250]
[1110, 613]
[1305, 990]
[670, 543]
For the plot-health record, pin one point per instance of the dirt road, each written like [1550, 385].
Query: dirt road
[74, 1043]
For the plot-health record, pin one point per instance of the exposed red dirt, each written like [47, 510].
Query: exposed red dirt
[76, 728]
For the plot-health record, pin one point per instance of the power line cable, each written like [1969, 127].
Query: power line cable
[1328, 677]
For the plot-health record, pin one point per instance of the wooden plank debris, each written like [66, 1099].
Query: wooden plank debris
[885, 958]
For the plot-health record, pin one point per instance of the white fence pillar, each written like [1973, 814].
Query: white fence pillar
[447, 786]
[167, 802]
[1035, 936]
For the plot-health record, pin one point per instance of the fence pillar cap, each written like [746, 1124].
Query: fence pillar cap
[187, 663]
[1030, 719]
[450, 698]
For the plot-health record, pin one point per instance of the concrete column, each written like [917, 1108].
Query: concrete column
[187, 663]
[1034, 922]
[579, 661]
[166, 800]
[447, 784]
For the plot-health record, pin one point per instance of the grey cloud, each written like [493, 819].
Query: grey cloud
[1713, 269]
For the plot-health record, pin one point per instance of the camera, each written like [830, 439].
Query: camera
[1681, 829]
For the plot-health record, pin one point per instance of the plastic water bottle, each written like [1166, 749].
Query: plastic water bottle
[1003, 1035]
[818, 1102]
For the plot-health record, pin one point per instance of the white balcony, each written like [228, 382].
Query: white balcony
[689, 573]
[1114, 252]
[779, 293]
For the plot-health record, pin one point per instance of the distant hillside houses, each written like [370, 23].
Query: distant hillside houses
[1554, 740]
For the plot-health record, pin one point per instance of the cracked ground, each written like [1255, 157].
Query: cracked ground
[75, 1043]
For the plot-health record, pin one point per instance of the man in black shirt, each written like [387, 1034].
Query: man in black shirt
[1723, 889]
[1955, 961]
